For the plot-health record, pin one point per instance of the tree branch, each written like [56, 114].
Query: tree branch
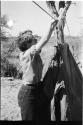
[61, 23]
[63, 14]
[52, 7]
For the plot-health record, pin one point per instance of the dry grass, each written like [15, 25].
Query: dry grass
[9, 104]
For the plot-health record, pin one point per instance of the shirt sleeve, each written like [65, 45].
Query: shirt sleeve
[29, 54]
[33, 52]
[23, 58]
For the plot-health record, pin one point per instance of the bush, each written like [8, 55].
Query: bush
[11, 71]
[7, 69]
[9, 59]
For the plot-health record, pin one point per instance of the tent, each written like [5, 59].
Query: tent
[68, 71]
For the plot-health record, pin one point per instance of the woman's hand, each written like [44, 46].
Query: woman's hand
[53, 24]
[46, 37]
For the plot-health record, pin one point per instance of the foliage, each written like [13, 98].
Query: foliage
[3, 25]
[8, 53]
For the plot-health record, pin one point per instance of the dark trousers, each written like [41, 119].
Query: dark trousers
[33, 103]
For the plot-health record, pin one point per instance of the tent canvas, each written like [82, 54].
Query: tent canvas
[70, 73]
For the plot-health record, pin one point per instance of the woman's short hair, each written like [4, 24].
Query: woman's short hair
[25, 42]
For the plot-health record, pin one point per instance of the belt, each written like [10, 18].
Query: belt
[40, 84]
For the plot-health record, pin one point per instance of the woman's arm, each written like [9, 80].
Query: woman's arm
[47, 36]
[36, 48]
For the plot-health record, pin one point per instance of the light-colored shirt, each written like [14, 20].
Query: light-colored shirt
[31, 66]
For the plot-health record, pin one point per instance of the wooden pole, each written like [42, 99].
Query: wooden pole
[61, 21]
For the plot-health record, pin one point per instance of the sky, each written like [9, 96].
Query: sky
[26, 15]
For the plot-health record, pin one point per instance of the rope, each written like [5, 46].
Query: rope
[43, 9]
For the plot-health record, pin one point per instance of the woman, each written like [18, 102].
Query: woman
[29, 94]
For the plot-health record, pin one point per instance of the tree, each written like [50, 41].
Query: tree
[3, 25]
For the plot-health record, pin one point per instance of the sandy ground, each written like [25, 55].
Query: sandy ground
[9, 103]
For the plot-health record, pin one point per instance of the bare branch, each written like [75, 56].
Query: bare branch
[61, 23]
[67, 4]
[51, 5]
[63, 14]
